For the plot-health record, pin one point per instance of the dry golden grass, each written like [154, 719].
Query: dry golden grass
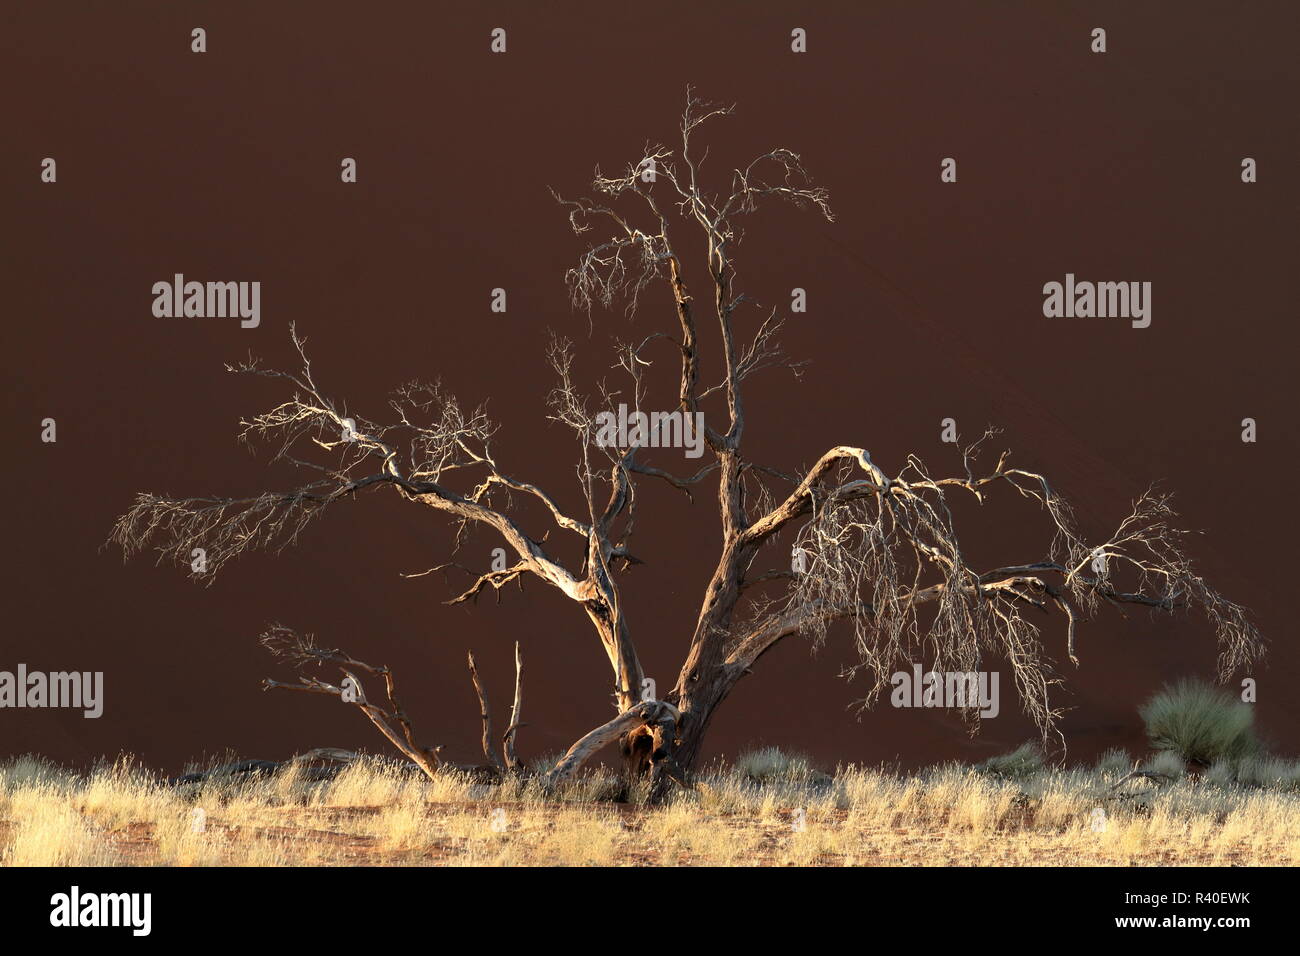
[766, 811]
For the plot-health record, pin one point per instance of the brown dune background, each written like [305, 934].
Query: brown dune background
[924, 302]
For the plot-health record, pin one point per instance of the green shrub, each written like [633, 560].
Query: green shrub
[1116, 760]
[1271, 773]
[1223, 772]
[1168, 763]
[1200, 723]
[1026, 760]
[770, 764]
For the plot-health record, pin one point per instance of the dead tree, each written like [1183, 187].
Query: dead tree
[879, 555]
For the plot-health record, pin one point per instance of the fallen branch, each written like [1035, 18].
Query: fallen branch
[335, 762]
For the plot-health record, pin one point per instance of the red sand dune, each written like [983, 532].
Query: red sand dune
[924, 303]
